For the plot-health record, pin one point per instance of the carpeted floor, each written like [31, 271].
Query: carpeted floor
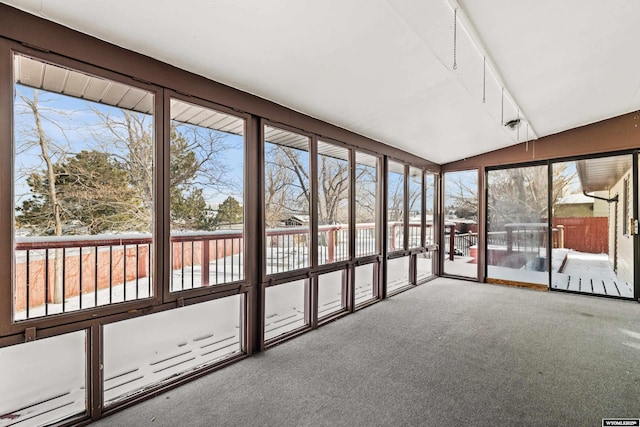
[445, 353]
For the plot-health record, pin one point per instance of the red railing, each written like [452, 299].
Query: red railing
[61, 274]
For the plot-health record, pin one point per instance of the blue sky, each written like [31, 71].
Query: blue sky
[73, 125]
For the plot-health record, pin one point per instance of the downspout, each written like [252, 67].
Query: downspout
[612, 200]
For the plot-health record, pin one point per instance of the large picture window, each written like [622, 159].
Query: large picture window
[206, 197]
[83, 190]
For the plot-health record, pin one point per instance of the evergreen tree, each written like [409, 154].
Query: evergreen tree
[93, 193]
[188, 204]
[229, 212]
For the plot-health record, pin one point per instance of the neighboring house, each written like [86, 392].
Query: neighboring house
[580, 206]
[295, 221]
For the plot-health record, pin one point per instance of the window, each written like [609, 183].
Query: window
[43, 381]
[287, 200]
[333, 203]
[415, 207]
[430, 193]
[148, 350]
[285, 308]
[83, 190]
[395, 206]
[461, 223]
[206, 196]
[331, 296]
[398, 273]
[365, 282]
[626, 206]
[366, 192]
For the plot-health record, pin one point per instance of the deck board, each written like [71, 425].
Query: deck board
[560, 281]
[592, 274]
[598, 287]
[611, 287]
[574, 283]
[624, 289]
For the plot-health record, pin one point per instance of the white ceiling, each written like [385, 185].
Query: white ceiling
[384, 68]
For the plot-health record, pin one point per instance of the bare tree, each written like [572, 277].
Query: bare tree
[37, 136]
[462, 195]
[197, 164]
[366, 193]
[286, 183]
[395, 197]
[333, 190]
[520, 194]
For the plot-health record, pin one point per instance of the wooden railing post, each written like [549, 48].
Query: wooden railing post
[393, 237]
[204, 263]
[452, 241]
[331, 245]
[560, 236]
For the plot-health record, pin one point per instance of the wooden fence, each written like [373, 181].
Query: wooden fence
[588, 234]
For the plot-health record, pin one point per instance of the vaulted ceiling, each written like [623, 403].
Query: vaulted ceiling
[398, 71]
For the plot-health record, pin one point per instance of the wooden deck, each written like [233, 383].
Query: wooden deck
[592, 285]
[590, 274]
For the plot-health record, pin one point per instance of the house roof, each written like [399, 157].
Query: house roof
[575, 199]
[602, 173]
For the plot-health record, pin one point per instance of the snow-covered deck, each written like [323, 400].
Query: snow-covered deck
[461, 266]
[592, 274]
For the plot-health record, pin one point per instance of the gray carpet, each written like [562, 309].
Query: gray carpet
[445, 353]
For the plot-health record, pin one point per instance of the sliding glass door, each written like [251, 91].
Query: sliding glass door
[517, 226]
[568, 225]
[594, 229]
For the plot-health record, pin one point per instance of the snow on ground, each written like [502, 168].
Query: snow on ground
[461, 266]
[590, 273]
[518, 275]
[591, 265]
[148, 350]
[145, 351]
[43, 381]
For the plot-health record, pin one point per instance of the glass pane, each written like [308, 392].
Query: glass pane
[148, 350]
[395, 207]
[333, 203]
[287, 195]
[206, 198]
[330, 293]
[592, 208]
[284, 308]
[461, 223]
[430, 192]
[43, 381]
[415, 207]
[424, 266]
[366, 204]
[517, 225]
[365, 282]
[397, 273]
[83, 190]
